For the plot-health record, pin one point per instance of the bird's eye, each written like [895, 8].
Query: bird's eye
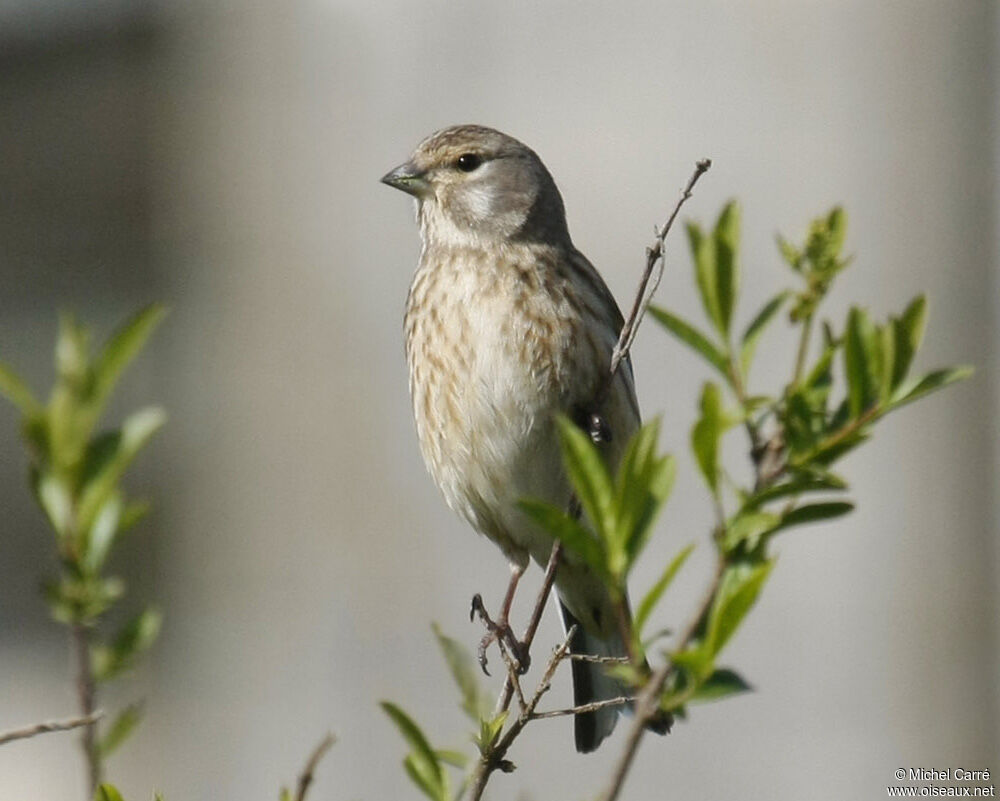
[467, 162]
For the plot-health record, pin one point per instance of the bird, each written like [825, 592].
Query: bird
[507, 325]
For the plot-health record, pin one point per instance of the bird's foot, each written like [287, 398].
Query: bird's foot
[500, 632]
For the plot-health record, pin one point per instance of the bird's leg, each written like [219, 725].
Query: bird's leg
[499, 629]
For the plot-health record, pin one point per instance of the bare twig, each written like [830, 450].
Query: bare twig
[654, 256]
[85, 690]
[308, 772]
[503, 701]
[593, 706]
[49, 726]
[494, 757]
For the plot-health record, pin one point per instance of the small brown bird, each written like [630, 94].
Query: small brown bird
[506, 325]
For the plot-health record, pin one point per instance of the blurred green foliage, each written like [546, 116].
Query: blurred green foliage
[75, 474]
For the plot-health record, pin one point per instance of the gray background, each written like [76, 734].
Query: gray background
[223, 157]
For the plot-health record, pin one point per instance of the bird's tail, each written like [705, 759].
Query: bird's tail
[592, 683]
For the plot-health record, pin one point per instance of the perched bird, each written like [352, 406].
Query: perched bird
[507, 324]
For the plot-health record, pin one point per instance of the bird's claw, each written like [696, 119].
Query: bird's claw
[498, 631]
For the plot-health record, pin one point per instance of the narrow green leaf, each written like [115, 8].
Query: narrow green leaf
[107, 792]
[425, 762]
[753, 332]
[721, 684]
[132, 514]
[103, 531]
[737, 593]
[652, 598]
[72, 352]
[918, 388]
[887, 337]
[123, 346]
[642, 486]
[119, 730]
[693, 338]
[814, 512]
[703, 254]
[796, 486]
[588, 474]
[17, 392]
[568, 531]
[697, 661]
[54, 497]
[422, 774]
[475, 704]
[489, 731]
[859, 358]
[838, 229]
[110, 455]
[706, 435]
[747, 527]
[909, 331]
[135, 637]
[791, 254]
[727, 268]
[454, 758]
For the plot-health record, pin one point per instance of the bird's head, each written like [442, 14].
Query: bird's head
[475, 185]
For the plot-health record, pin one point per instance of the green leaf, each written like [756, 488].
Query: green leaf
[110, 455]
[727, 269]
[107, 792]
[72, 352]
[812, 513]
[797, 486]
[791, 254]
[137, 636]
[454, 758]
[706, 434]
[693, 338]
[588, 474]
[703, 254]
[918, 388]
[721, 684]
[860, 362]
[568, 531]
[55, 499]
[17, 392]
[475, 703]
[119, 730]
[420, 772]
[103, 532]
[652, 598]
[489, 731]
[756, 328]
[642, 486]
[123, 346]
[740, 586]
[909, 333]
[422, 764]
[747, 527]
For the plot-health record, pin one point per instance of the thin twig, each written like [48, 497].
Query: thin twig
[654, 255]
[593, 706]
[308, 772]
[494, 757]
[49, 726]
[85, 690]
[503, 701]
[600, 660]
[647, 703]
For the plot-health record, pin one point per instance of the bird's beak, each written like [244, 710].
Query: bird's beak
[408, 178]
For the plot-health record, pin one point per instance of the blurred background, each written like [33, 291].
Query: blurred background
[223, 157]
